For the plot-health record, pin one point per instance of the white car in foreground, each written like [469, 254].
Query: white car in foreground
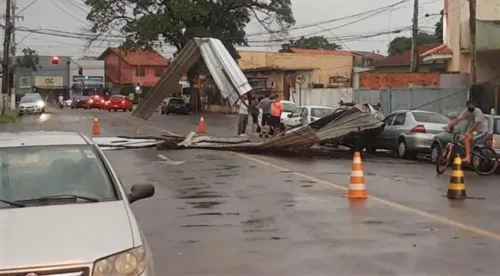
[64, 211]
[305, 115]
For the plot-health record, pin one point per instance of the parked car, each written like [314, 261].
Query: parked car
[95, 101]
[410, 132]
[174, 105]
[118, 102]
[492, 140]
[63, 183]
[305, 115]
[31, 105]
[79, 102]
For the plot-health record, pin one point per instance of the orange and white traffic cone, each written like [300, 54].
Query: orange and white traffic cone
[357, 188]
[201, 126]
[96, 128]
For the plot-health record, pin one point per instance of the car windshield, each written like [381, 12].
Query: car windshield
[427, 117]
[176, 101]
[321, 112]
[32, 172]
[289, 107]
[497, 126]
[28, 100]
[117, 98]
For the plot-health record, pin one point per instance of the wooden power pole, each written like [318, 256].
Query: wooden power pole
[472, 39]
[6, 56]
[415, 57]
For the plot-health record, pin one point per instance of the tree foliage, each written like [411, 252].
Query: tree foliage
[29, 59]
[403, 43]
[151, 23]
[312, 42]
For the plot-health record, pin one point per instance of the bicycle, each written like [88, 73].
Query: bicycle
[484, 159]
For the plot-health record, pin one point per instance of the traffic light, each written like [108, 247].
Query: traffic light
[80, 71]
[55, 60]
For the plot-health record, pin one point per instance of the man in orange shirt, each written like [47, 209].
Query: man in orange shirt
[276, 110]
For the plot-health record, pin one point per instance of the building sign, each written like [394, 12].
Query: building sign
[93, 79]
[339, 79]
[25, 82]
[49, 82]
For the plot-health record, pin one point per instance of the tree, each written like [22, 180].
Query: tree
[29, 59]
[152, 23]
[403, 43]
[312, 42]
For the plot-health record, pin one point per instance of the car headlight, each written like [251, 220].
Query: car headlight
[132, 262]
[40, 104]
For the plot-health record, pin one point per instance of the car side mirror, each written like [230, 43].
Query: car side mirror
[289, 115]
[140, 191]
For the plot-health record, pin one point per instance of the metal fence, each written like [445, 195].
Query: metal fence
[441, 100]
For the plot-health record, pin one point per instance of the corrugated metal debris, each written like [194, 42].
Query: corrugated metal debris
[226, 73]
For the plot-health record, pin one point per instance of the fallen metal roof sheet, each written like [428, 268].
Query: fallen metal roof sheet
[231, 82]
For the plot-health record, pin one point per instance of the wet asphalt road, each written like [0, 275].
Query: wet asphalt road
[223, 213]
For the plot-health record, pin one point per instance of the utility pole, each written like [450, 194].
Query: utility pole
[415, 57]
[13, 54]
[6, 55]
[472, 38]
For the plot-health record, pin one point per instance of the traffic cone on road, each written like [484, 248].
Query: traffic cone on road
[357, 188]
[201, 126]
[96, 128]
[456, 188]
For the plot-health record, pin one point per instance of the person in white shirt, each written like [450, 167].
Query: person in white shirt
[243, 116]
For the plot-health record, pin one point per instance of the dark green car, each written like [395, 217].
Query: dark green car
[492, 123]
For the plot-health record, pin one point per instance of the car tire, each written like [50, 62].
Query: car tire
[403, 149]
[130, 110]
[435, 152]
[371, 148]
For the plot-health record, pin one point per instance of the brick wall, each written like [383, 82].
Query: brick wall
[369, 80]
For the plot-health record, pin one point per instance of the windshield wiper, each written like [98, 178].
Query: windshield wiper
[12, 203]
[64, 196]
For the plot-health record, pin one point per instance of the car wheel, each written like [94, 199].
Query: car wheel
[402, 149]
[72, 107]
[130, 110]
[109, 110]
[435, 152]
[371, 148]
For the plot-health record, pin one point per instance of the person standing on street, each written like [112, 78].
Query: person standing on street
[276, 110]
[243, 116]
[254, 112]
[265, 105]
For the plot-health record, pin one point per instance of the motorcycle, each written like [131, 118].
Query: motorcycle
[60, 104]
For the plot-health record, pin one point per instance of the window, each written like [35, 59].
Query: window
[117, 98]
[497, 126]
[176, 101]
[388, 120]
[296, 113]
[427, 117]
[140, 71]
[158, 72]
[289, 106]
[28, 100]
[304, 112]
[321, 112]
[33, 172]
[400, 119]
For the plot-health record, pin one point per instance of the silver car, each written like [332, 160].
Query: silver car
[410, 132]
[63, 210]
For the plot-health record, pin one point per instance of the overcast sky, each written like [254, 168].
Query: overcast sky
[69, 15]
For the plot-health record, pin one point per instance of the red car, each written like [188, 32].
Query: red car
[118, 102]
[95, 101]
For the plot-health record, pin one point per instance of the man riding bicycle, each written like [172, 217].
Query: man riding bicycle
[476, 129]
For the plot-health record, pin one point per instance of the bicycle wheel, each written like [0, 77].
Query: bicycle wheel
[484, 161]
[443, 160]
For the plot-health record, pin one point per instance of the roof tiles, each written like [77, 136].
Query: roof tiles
[139, 57]
[404, 58]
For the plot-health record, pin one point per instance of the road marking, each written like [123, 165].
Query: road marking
[142, 123]
[231, 116]
[397, 206]
[391, 204]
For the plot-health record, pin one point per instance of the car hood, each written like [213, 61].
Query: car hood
[27, 104]
[62, 234]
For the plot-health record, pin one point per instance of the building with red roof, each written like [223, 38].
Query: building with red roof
[134, 66]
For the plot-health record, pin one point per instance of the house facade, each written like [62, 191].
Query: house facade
[456, 35]
[324, 63]
[143, 67]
